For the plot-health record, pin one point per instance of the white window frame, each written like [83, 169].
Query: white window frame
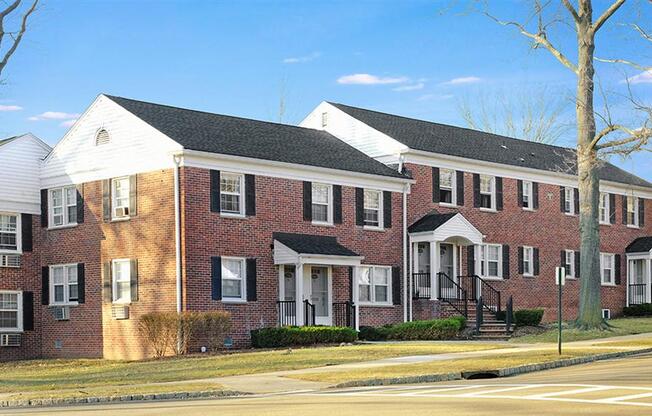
[19, 311]
[241, 200]
[527, 185]
[380, 209]
[604, 210]
[114, 199]
[453, 188]
[492, 190]
[242, 279]
[19, 234]
[479, 261]
[603, 256]
[632, 208]
[571, 264]
[66, 284]
[372, 285]
[569, 200]
[528, 258]
[115, 281]
[329, 204]
[65, 205]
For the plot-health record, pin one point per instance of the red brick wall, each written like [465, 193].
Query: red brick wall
[547, 228]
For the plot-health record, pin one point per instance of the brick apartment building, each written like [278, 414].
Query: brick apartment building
[354, 218]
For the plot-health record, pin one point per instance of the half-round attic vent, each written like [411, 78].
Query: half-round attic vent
[102, 137]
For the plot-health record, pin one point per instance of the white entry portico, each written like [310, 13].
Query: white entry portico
[639, 271]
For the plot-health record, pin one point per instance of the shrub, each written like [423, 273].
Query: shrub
[295, 336]
[644, 309]
[528, 317]
[215, 326]
[159, 329]
[434, 329]
[370, 333]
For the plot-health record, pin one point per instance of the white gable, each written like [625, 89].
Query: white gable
[134, 147]
[456, 230]
[20, 163]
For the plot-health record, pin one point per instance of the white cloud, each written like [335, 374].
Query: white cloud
[368, 79]
[412, 87]
[10, 108]
[302, 59]
[54, 115]
[644, 77]
[68, 123]
[462, 81]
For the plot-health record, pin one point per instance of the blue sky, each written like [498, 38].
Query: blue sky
[413, 58]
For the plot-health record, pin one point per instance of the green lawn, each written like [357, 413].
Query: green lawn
[622, 326]
[49, 375]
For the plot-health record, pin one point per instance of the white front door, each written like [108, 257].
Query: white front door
[447, 266]
[319, 293]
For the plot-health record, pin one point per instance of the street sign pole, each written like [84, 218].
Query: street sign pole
[560, 279]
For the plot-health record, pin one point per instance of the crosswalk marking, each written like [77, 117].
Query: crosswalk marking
[629, 397]
[568, 392]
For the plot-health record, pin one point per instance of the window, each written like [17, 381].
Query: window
[231, 187]
[10, 238]
[324, 119]
[321, 203]
[569, 200]
[374, 285]
[233, 282]
[528, 261]
[632, 211]
[447, 186]
[11, 305]
[570, 263]
[120, 197]
[63, 284]
[604, 208]
[607, 268]
[372, 208]
[527, 195]
[63, 206]
[121, 281]
[487, 192]
[102, 137]
[490, 260]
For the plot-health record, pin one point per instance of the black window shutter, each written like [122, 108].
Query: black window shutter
[28, 311]
[476, 190]
[250, 195]
[337, 204]
[359, 206]
[460, 187]
[562, 198]
[45, 285]
[519, 192]
[535, 260]
[26, 231]
[470, 260]
[562, 261]
[133, 279]
[521, 267]
[499, 193]
[577, 264]
[387, 209]
[307, 201]
[535, 195]
[81, 283]
[106, 200]
[351, 283]
[107, 283]
[577, 201]
[617, 268]
[624, 209]
[435, 184]
[133, 195]
[396, 285]
[216, 278]
[612, 208]
[44, 208]
[641, 212]
[251, 280]
[505, 261]
[80, 204]
[215, 190]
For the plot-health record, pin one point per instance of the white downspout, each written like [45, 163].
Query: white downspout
[406, 295]
[177, 230]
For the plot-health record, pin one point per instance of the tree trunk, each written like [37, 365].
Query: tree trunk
[590, 314]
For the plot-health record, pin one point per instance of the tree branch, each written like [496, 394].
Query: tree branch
[21, 31]
[606, 15]
[572, 11]
[624, 62]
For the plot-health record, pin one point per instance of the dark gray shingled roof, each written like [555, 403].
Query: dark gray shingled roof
[477, 145]
[313, 244]
[215, 133]
[430, 222]
[640, 245]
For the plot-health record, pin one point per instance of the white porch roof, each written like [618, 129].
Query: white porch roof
[448, 228]
[311, 249]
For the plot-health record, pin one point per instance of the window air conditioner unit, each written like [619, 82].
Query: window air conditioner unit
[122, 212]
[606, 314]
[120, 312]
[61, 313]
[9, 340]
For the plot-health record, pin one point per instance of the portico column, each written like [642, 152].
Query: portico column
[356, 296]
[434, 267]
[299, 295]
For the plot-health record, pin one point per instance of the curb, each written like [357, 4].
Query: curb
[504, 372]
[124, 398]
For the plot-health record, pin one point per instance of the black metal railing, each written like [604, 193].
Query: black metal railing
[476, 287]
[452, 293]
[309, 313]
[509, 314]
[287, 312]
[637, 293]
[479, 315]
[344, 314]
[421, 286]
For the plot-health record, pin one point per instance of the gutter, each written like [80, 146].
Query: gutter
[405, 257]
[177, 230]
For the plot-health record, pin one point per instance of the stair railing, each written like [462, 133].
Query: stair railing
[451, 292]
[509, 314]
[309, 313]
[479, 315]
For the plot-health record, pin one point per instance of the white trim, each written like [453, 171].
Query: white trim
[372, 293]
[114, 282]
[381, 223]
[478, 261]
[66, 285]
[571, 265]
[453, 202]
[330, 206]
[243, 280]
[613, 269]
[65, 222]
[19, 311]
[635, 202]
[607, 208]
[241, 196]
[571, 201]
[19, 234]
[530, 260]
[530, 195]
[492, 184]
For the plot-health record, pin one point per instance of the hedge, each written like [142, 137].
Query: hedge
[644, 309]
[528, 317]
[434, 329]
[305, 335]
[372, 333]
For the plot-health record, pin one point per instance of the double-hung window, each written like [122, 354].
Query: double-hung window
[528, 261]
[490, 260]
[604, 208]
[374, 285]
[231, 192]
[570, 263]
[63, 206]
[121, 281]
[447, 186]
[569, 200]
[487, 192]
[10, 238]
[63, 284]
[607, 269]
[372, 208]
[527, 195]
[632, 211]
[233, 279]
[11, 305]
[322, 203]
[120, 197]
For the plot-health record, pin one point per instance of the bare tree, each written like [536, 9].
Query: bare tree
[10, 39]
[535, 115]
[612, 138]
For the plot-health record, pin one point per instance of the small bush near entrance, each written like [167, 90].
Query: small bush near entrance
[644, 309]
[288, 336]
[434, 329]
[528, 317]
[372, 333]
